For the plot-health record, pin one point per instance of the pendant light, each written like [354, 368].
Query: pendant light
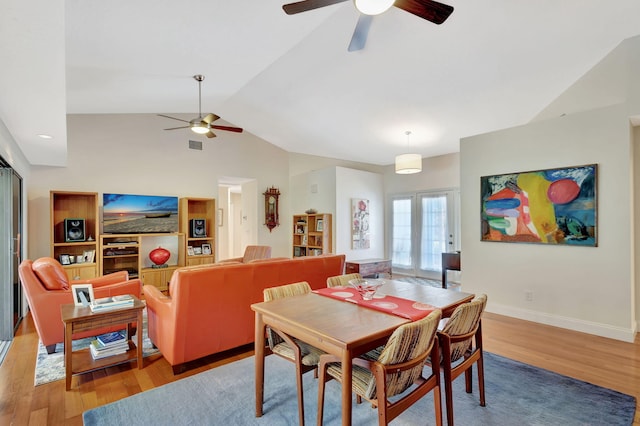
[407, 164]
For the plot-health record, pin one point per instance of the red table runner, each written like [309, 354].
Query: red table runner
[404, 308]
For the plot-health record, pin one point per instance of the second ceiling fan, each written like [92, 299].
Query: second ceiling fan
[202, 125]
[430, 10]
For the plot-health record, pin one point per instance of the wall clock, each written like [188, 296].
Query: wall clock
[271, 219]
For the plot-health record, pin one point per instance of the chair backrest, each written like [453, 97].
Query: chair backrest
[408, 342]
[50, 273]
[464, 321]
[286, 290]
[256, 252]
[343, 280]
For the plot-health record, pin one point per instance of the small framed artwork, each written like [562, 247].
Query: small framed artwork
[82, 294]
[206, 249]
[65, 260]
[190, 251]
[319, 225]
[89, 256]
[197, 250]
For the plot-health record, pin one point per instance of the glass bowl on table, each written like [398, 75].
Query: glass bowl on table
[366, 288]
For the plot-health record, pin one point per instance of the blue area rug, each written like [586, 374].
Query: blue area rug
[516, 393]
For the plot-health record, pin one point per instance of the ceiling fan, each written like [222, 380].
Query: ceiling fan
[202, 125]
[426, 9]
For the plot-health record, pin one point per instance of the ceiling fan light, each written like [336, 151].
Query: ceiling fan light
[199, 128]
[407, 164]
[373, 7]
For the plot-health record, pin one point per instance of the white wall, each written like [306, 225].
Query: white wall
[359, 184]
[581, 288]
[130, 153]
[330, 190]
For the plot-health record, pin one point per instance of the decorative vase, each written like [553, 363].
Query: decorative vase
[159, 256]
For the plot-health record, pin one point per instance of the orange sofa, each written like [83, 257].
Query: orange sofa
[47, 286]
[208, 309]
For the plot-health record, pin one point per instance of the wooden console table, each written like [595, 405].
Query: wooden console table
[368, 267]
[450, 262]
[80, 318]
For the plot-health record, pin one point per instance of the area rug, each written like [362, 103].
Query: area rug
[50, 367]
[516, 394]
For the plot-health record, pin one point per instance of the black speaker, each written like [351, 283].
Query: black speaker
[198, 228]
[74, 230]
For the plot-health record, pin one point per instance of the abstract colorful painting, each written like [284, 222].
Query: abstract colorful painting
[360, 238]
[554, 206]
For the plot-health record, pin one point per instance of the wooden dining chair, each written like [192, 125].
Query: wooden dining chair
[343, 280]
[304, 356]
[459, 352]
[398, 368]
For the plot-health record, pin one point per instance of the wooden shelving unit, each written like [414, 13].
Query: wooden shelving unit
[130, 252]
[198, 233]
[66, 205]
[311, 234]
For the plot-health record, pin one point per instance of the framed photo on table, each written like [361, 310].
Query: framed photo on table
[82, 294]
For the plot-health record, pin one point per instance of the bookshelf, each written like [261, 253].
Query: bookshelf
[312, 234]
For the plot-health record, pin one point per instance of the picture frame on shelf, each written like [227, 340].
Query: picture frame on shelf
[79, 259]
[82, 294]
[190, 251]
[197, 251]
[319, 225]
[89, 256]
[206, 248]
[65, 259]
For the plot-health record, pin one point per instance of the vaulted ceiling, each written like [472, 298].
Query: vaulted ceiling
[289, 79]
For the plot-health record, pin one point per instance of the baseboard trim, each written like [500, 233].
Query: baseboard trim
[598, 329]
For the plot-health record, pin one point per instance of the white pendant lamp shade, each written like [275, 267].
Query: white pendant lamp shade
[407, 164]
[373, 7]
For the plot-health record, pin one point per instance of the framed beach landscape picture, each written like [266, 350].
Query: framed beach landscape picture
[552, 206]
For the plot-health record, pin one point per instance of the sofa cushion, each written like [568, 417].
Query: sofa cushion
[51, 274]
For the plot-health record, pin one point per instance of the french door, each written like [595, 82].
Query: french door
[423, 226]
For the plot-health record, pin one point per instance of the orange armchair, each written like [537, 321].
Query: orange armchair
[251, 253]
[46, 287]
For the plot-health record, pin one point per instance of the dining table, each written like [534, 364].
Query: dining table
[341, 328]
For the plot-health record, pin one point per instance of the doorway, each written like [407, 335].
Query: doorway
[11, 298]
[237, 225]
[422, 227]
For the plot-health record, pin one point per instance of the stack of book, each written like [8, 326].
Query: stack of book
[114, 302]
[109, 344]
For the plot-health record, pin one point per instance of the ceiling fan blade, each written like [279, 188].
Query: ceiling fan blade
[210, 118]
[305, 5]
[175, 128]
[228, 128]
[359, 38]
[173, 118]
[210, 134]
[426, 9]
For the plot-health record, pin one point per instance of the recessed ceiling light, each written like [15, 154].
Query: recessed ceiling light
[43, 136]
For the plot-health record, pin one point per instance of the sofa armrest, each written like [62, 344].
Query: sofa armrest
[157, 302]
[114, 278]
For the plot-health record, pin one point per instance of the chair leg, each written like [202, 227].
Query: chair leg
[300, 395]
[448, 393]
[51, 349]
[468, 378]
[437, 405]
[481, 380]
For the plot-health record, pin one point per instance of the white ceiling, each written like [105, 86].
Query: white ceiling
[289, 79]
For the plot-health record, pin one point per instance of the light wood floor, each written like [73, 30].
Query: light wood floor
[605, 362]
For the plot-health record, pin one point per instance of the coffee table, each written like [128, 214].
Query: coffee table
[77, 319]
